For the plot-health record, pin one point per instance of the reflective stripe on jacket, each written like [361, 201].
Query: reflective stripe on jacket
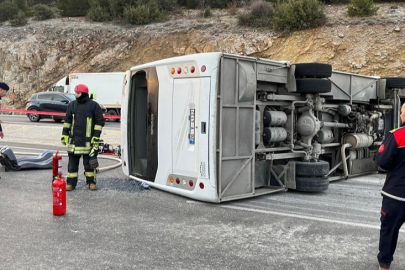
[82, 122]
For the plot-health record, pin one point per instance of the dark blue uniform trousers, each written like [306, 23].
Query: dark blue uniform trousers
[392, 218]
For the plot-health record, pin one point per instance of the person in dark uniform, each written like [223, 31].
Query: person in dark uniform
[3, 92]
[84, 121]
[391, 157]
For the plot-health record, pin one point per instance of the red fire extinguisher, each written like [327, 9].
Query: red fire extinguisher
[58, 186]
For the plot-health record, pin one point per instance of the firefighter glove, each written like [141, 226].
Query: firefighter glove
[93, 158]
[64, 139]
[95, 141]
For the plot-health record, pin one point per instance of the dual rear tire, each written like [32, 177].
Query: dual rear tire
[312, 78]
[312, 176]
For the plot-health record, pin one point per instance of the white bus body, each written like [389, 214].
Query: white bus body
[217, 127]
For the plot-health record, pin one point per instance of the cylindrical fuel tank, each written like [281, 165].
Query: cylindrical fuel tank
[358, 140]
[274, 118]
[276, 134]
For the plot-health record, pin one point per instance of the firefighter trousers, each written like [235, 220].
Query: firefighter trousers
[392, 218]
[73, 170]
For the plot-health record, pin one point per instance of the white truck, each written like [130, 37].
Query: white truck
[217, 127]
[105, 87]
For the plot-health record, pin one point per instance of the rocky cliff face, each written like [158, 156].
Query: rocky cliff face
[34, 57]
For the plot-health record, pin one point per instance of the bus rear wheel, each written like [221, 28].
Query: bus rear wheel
[312, 184]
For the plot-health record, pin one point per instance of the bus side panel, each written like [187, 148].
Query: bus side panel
[124, 125]
[164, 125]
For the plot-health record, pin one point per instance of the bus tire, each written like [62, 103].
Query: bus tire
[319, 168]
[312, 184]
[313, 85]
[313, 70]
[395, 82]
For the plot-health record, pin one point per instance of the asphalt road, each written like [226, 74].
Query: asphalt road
[122, 226]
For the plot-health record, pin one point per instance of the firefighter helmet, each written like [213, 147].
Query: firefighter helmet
[82, 88]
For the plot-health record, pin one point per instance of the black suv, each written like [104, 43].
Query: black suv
[50, 102]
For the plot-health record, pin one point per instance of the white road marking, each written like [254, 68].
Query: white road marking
[342, 222]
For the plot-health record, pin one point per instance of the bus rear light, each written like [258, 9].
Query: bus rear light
[178, 70]
[177, 181]
[125, 163]
[171, 180]
[191, 183]
[185, 70]
[172, 71]
[201, 185]
[192, 69]
[203, 68]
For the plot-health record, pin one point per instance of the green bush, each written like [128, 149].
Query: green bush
[42, 12]
[168, 5]
[19, 19]
[98, 14]
[36, 2]
[192, 3]
[144, 13]
[154, 12]
[74, 8]
[298, 15]
[7, 11]
[260, 15]
[137, 15]
[207, 12]
[362, 8]
[21, 4]
[217, 3]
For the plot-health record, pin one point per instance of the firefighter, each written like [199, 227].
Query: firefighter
[81, 132]
[391, 157]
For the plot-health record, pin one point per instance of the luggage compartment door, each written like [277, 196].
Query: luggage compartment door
[190, 130]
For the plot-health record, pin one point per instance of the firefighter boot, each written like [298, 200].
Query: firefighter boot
[70, 187]
[92, 186]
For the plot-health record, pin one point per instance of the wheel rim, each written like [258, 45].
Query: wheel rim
[33, 116]
[111, 113]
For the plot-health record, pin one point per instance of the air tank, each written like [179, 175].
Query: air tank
[276, 134]
[274, 118]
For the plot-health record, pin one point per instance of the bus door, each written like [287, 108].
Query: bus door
[190, 127]
[142, 125]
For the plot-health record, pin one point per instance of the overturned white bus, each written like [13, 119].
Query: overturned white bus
[218, 127]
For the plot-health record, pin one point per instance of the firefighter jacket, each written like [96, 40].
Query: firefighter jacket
[83, 121]
[391, 157]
